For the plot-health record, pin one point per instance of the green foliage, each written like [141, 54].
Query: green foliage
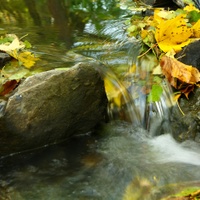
[187, 192]
[193, 16]
[7, 39]
[191, 193]
[156, 90]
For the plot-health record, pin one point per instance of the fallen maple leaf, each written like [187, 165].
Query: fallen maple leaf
[186, 90]
[15, 44]
[196, 29]
[173, 70]
[190, 7]
[8, 87]
[173, 34]
[26, 58]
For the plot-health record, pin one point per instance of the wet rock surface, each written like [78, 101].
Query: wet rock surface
[4, 58]
[190, 54]
[52, 106]
[187, 126]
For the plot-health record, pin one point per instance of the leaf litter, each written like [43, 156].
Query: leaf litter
[164, 34]
[21, 65]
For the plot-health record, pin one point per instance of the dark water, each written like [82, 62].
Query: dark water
[120, 161]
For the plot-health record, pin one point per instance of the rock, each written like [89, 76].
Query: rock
[190, 54]
[172, 4]
[51, 106]
[4, 193]
[187, 126]
[4, 58]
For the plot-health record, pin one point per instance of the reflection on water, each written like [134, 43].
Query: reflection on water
[102, 167]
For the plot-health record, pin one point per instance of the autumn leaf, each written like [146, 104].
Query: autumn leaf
[8, 87]
[187, 90]
[196, 29]
[26, 58]
[12, 72]
[173, 70]
[186, 194]
[15, 44]
[159, 16]
[190, 7]
[13, 53]
[113, 91]
[162, 14]
[173, 34]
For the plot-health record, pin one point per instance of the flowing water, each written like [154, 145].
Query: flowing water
[120, 160]
[138, 159]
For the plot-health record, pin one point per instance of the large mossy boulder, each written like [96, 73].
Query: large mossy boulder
[51, 106]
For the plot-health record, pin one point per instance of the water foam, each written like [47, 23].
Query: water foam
[168, 150]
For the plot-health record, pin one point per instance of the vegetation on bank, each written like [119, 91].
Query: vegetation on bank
[72, 15]
[141, 188]
[20, 64]
[164, 34]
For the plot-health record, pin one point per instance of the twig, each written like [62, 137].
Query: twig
[180, 109]
[147, 51]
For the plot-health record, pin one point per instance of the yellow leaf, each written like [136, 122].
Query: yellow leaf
[15, 44]
[173, 34]
[13, 53]
[27, 59]
[113, 92]
[132, 69]
[158, 17]
[196, 29]
[177, 96]
[190, 7]
[144, 34]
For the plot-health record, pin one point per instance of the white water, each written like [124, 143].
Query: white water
[168, 150]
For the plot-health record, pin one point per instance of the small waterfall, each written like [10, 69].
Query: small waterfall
[129, 77]
[129, 101]
[121, 104]
[154, 111]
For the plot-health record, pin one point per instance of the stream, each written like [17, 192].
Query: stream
[103, 166]
[121, 160]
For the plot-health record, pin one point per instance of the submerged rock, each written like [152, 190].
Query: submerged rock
[51, 106]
